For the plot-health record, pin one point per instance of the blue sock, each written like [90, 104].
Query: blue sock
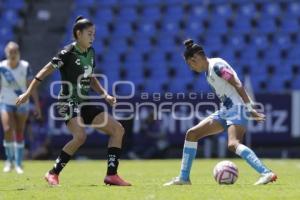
[248, 155]
[189, 154]
[9, 150]
[19, 151]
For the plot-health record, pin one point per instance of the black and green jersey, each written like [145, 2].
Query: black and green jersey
[76, 68]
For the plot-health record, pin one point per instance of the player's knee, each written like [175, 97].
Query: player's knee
[80, 138]
[232, 145]
[191, 135]
[120, 129]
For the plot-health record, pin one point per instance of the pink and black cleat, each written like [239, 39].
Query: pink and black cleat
[115, 180]
[52, 179]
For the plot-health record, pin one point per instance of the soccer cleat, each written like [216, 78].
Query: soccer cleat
[115, 180]
[8, 166]
[266, 178]
[52, 179]
[19, 170]
[178, 181]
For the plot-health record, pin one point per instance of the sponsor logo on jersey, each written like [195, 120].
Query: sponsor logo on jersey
[77, 61]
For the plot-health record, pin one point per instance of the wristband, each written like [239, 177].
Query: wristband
[36, 78]
[249, 107]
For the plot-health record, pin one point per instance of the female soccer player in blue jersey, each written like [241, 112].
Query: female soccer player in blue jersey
[235, 111]
[15, 75]
[76, 63]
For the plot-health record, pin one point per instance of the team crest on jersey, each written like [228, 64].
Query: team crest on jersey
[77, 61]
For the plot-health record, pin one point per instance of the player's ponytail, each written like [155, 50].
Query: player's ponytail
[81, 23]
[191, 48]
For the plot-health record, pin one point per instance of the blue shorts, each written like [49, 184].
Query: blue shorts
[237, 115]
[15, 109]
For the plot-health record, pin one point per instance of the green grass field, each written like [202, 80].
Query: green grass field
[84, 180]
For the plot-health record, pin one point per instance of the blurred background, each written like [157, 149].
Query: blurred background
[141, 41]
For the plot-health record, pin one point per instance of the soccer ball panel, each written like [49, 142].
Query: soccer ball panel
[225, 172]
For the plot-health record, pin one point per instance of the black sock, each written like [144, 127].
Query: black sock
[113, 155]
[60, 163]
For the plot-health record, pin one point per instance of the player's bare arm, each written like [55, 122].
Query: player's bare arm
[236, 83]
[97, 87]
[43, 73]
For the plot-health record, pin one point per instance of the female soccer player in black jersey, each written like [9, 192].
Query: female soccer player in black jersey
[76, 63]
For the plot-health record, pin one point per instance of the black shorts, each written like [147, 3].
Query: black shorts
[87, 112]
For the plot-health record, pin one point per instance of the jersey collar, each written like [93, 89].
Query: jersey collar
[79, 51]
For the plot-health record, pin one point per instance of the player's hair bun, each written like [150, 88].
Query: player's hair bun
[191, 48]
[188, 43]
[79, 18]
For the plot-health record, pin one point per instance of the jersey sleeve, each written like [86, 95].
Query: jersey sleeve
[223, 70]
[59, 60]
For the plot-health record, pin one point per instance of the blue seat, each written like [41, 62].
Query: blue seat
[133, 57]
[194, 28]
[218, 25]
[199, 12]
[242, 24]
[14, 5]
[223, 11]
[142, 43]
[296, 83]
[10, 16]
[123, 29]
[256, 81]
[130, 3]
[290, 25]
[84, 3]
[108, 4]
[260, 41]
[156, 56]
[152, 13]
[80, 11]
[128, 14]
[248, 9]
[271, 9]
[148, 3]
[147, 28]
[282, 40]
[227, 54]
[266, 24]
[236, 41]
[272, 53]
[6, 34]
[294, 9]
[249, 53]
[174, 12]
[104, 15]
[201, 84]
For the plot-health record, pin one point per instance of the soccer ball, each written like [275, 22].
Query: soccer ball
[226, 172]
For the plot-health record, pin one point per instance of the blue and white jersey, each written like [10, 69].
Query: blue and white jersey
[13, 81]
[219, 71]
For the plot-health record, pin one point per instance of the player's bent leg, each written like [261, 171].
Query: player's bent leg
[79, 137]
[116, 132]
[206, 127]
[19, 144]
[8, 141]
[235, 137]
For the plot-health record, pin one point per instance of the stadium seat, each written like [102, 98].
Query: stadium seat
[253, 36]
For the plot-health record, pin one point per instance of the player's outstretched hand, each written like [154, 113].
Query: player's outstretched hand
[22, 98]
[111, 100]
[259, 117]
